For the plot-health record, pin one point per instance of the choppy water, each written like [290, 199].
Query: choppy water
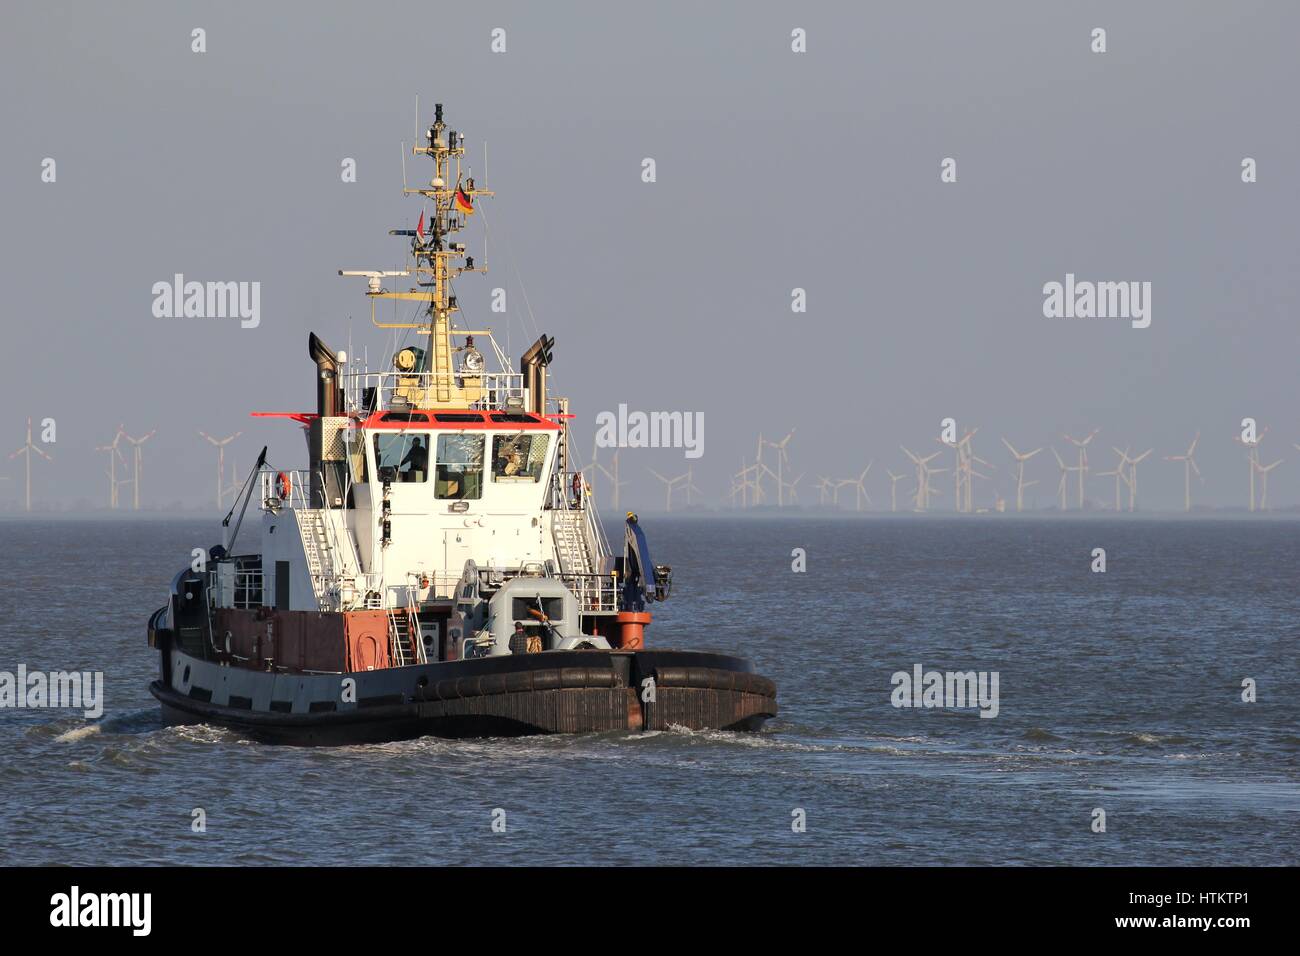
[1118, 690]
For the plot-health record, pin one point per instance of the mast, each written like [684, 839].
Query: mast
[437, 260]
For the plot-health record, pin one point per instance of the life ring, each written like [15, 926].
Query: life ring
[283, 485]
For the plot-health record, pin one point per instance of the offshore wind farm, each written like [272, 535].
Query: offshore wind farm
[994, 486]
[1008, 481]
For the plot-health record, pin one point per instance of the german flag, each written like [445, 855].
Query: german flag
[463, 202]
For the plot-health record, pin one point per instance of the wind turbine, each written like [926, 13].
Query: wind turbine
[671, 484]
[690, 484]
[835, 490]
[970, 471]
[861, 488]
[612, 476]
[1263, 482]
[1189, 465]
[1120, 475]
[782, 461]
[794, 495]
[759, 468]
[744, 485]
[1065, 475]
[1133, 476]
[928, 489]
[958, 470]
[26, 452]
[1021, 485]
[923, 473]
[1252, 459]
[139, 464]
[823, 485]
[614, 480]
[114, 456]
[1082, 467]
[963, 470]
[731, 495]
[221, 444]
[893, 487]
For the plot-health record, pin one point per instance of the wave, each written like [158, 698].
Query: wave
[78, 733]
[1038, 733]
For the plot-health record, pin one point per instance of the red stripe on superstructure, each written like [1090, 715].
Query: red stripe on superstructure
[302, 418]
[376, 420]
[483, 423]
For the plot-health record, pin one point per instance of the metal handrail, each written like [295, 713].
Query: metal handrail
[246, 587]
[496, 386]
[595, 592]
[299, 488]
[413, 628]
[338, 564]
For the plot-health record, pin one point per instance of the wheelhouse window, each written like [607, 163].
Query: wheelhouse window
[518, 457]
[459, 467]
[402, 456]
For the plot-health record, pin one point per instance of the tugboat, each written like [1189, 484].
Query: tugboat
[440, 567]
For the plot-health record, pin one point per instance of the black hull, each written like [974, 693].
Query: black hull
[553, 692]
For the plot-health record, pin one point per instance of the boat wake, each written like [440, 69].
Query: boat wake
[78, 733]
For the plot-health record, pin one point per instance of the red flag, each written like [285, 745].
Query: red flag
[419, 228]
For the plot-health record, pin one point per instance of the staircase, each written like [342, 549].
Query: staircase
[405, 646]
[318, 551]
[569, 528]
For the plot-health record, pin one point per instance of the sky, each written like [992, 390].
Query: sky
[775, 170]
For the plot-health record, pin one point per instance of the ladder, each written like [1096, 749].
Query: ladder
[441, 343]
[404, 637]
[399, 637]
[318, 551]
[569, 528]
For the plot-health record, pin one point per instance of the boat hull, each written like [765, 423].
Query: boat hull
[587, 691]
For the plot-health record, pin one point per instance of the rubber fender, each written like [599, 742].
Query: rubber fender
[712, 678]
